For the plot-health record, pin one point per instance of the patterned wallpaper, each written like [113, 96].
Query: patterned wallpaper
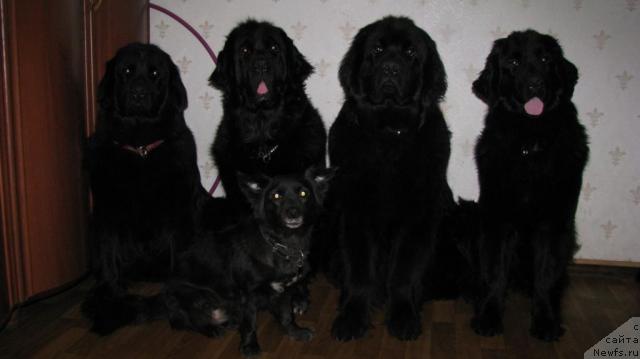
[600, 37]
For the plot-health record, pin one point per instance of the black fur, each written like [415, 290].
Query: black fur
[228, 276]
[143, 206]
[391, 144]
[276, 133]
[530, 172]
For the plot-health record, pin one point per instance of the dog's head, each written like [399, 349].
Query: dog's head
[393, 62]
[287, 203]
[526, 73]
[258, 65]
[141, 81]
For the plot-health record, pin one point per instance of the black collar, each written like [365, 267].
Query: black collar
[529, 149]
[290, 254]
[265, 152]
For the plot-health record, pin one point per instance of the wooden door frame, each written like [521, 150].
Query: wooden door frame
[11, 174]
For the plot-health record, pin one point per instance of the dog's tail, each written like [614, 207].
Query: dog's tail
[109, 311]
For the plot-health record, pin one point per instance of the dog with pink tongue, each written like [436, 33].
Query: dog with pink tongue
[530, 158]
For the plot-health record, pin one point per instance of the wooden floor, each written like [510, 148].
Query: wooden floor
[596, 303]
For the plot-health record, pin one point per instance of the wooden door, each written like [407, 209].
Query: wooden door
[112, 24]
[53, 53]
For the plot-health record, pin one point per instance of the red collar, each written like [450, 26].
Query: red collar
[142, 151]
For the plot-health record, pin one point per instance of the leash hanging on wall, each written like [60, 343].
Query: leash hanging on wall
[206, 46]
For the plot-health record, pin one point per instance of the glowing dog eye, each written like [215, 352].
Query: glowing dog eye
[377, 50]
[303, 194]
[244, 50]
[514, 62]
[544, 59]
[274, 48]
[276, 196]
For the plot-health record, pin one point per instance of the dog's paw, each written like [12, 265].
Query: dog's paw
[250, 349]
[403, 323]
[547, 331]
[300, 305]
[301, 334]
[486, 326]
[349, 325]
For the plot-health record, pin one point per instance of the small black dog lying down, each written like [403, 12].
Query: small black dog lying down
[227, 276]
[144, 179]
[530, 158]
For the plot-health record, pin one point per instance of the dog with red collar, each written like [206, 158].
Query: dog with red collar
[144, 180]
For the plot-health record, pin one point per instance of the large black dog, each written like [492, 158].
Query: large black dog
[391, 145]
[144, 178]
[269, 125]
[228, 276]
[530, 158]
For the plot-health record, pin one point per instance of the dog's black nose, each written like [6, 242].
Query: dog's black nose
[261, 66]
[293, 213]
[390, 68]
[138, 94]
[535, 84]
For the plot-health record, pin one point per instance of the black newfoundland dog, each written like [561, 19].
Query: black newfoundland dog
[269, 125]
[391, 145]
[144, 179]
[530, 158]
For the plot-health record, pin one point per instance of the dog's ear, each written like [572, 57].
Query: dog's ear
[105, 93]
[253, 186]
[435, 77]
[348, 73]
[301, 69]
[177, 92]
[223, 76]
[485, 87]
[319, 178]
[568, 74]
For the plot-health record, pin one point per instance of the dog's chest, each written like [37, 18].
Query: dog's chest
[280, 285]
[532, 158]
[286, 273]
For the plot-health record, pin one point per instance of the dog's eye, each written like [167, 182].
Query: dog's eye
[155, 74]
[302, 194]
[411, 52]
[276, 196]
[244, 50]
[378, 50]
[514, 62]
[128, 70]
[544, 59]
[275, 48]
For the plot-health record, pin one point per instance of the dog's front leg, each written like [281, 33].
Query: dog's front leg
[411, 255]
[106, 304]
[282, 309]
[300, 297]
[248, 339]
[551, 254]
[496, 248]
[359, 255]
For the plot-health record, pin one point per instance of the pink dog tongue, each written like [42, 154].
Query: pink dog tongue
[262, 88]
[534, 106]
